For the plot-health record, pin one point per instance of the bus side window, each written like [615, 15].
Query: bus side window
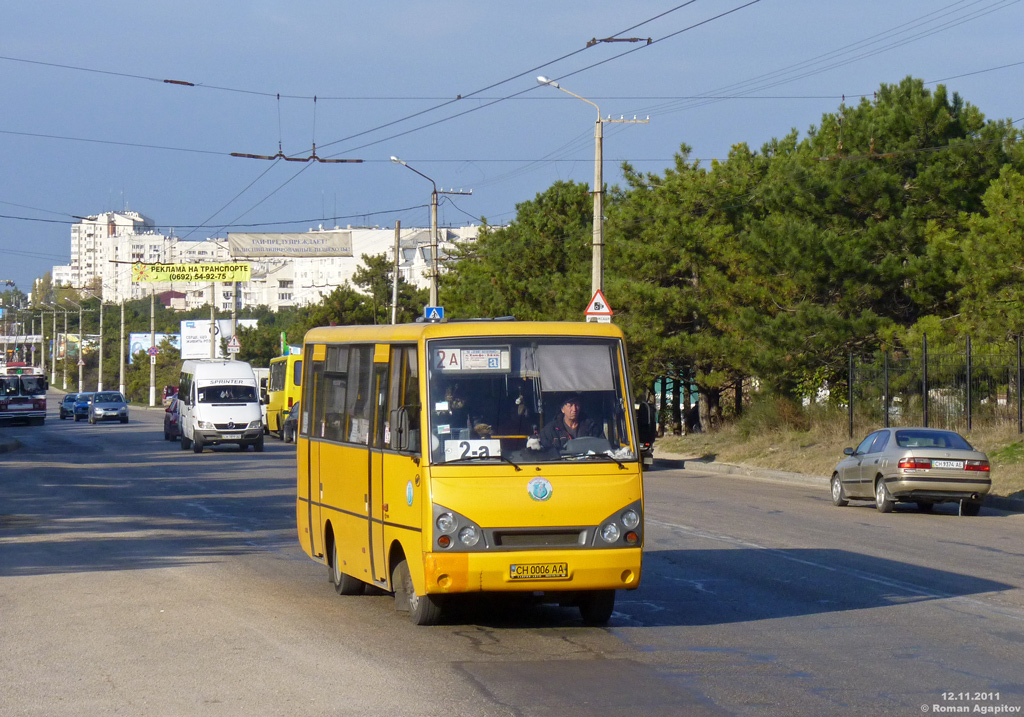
[405, 394]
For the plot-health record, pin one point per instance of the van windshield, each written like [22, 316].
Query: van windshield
[227, 394]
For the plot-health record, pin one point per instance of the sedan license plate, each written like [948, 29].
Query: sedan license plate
[231, 436]
[538, 571]
[954, 465]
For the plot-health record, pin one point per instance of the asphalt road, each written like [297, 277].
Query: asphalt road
[136, 578]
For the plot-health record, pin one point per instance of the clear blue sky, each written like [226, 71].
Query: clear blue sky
[88, 124]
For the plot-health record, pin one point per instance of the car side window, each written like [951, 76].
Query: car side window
[880, 442]
[865, 445]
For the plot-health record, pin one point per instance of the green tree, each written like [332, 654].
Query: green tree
[536, 268]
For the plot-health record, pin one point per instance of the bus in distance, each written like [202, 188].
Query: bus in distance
[22, 394]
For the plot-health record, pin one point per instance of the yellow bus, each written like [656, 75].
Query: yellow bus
[428, 467]
[284, 386]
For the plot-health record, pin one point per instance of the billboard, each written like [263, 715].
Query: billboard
[195, 336]
[192, 272]
[297, 245]
[141, 342]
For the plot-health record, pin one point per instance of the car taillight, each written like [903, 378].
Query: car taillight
[977, 466]
[910, 464]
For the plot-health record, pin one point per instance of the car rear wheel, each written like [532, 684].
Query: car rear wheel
[838, 494]
[185, 443]
[970, 507]
[883, 501]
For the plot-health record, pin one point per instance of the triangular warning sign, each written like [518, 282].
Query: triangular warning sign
[598, 306]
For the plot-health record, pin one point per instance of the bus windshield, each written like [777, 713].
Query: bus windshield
[527, 399]
[22, 386]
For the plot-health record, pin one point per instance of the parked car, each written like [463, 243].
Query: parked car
[81, 407]
[67, 406]
[913, 465]
[290, 425]
[172, 428]
[108, 406]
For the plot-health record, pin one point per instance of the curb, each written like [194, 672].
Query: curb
[670, 460]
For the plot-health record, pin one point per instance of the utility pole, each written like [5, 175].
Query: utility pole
[394, 279]
[152, 343]
[120, 373]
[433, 226]
[597, 253]
[99, 378]
[213, 320]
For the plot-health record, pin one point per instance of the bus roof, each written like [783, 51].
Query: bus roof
[457, 329]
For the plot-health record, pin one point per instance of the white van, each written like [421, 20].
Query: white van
[219, 403]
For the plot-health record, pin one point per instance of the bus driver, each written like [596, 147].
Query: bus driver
[571, 424]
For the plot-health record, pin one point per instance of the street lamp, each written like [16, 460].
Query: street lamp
[81, 345]
[597, 264]
[433, 231]
[433, 226]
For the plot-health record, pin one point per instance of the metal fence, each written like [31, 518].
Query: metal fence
[957, 390]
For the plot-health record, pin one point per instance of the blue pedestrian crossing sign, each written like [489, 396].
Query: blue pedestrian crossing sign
[433, 313]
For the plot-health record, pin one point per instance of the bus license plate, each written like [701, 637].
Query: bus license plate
[539, 571]
[231, 436]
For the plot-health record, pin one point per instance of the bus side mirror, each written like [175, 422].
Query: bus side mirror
[647, 423]
[403, 437]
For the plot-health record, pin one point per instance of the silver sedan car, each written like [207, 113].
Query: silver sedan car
[913, 465]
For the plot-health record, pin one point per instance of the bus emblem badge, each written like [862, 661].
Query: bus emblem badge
[409, 495]
[539, 489]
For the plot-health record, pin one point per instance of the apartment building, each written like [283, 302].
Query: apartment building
[104, 247]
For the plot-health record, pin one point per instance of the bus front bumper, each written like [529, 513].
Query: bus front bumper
[548, 571]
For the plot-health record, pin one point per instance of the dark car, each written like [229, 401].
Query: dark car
[108, 406]
[81, 407]
[913, 465]
[67, 406]
[172, 426]
[290, 427]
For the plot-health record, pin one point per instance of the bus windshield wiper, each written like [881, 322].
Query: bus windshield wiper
[487, 457]
[591, 455]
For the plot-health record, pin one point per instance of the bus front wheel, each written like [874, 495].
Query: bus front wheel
[596, 607]
[422, 609]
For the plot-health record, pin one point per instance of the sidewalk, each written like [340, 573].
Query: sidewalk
[679, 461]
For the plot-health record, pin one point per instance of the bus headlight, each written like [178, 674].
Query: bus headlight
[446, 522]
[609, 532]
[469, 536]
[630, 519]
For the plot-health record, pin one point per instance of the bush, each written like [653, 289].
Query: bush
[772, 413]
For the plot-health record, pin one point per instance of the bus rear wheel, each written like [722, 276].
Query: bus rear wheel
[422, 609]
[344, 584]
[596, 607]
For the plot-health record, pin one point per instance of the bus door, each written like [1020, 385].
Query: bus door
[378, 501]
[311, 428]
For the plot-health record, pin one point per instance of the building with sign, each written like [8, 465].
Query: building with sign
[105, 247]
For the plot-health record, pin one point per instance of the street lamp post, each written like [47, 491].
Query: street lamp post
[81, 346]
[597, 261]
[433, 226]
[433, 230]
